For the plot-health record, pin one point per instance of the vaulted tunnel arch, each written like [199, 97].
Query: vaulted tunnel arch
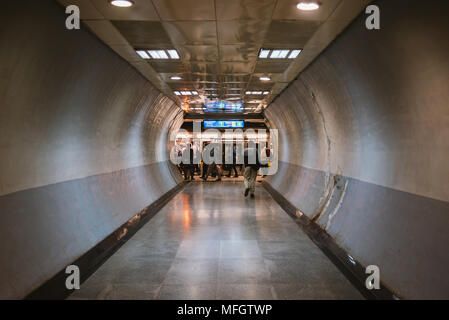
[362, 131]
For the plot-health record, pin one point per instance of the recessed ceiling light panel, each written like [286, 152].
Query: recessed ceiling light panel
[257, 93]
[294, 54]
[164, 54]
[308, 6]
[283, 54]
[173, 54]
[264, 53]
[279, 53]
[175, 78]
[186, 93]
[122, 3]
[275, 54]
[265, 78]
[143, 54]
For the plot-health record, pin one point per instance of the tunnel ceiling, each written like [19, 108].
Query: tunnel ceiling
[218, 42]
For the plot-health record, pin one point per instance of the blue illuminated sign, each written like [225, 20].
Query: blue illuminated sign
[220, 104]
[224, 124]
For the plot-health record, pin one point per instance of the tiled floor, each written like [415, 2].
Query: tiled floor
[210, 242]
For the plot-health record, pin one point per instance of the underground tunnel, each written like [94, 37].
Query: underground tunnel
[361, 121]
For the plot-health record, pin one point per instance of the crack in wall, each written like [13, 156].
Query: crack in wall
[337, 207]
[329, 187]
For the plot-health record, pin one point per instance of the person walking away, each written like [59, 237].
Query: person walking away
[233, 166]
[187, 159]
[252, 165]
[210, 168]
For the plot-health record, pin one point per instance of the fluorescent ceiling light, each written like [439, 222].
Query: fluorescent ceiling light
[294, 54]
[195, 93]
[265, 78]
[177, 93]
[162, 54]
[143, 54]
[279, 53]
[275, 54]
[122, 3]
[257, 92]
[264, 54]
[175, 78]
[308, 6]
[173, 54]
[283, 54]
[154, 54]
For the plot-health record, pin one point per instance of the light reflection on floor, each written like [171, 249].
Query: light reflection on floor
[210, 242]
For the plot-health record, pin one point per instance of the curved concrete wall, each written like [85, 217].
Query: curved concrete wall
[363, 135]
[364, 145]
[83, 140]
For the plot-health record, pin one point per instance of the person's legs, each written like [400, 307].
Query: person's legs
[210, 168]
[205, 170]
[252, 181]
[246, 180]
[185, 169]
[235, 171]
[192, 171]
[219, 173]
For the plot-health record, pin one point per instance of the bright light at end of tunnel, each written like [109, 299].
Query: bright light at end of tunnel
[308, 6]
[122, 3]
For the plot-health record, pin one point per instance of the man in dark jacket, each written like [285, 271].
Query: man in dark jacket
[187, 159]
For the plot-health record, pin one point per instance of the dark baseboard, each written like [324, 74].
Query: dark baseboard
[88, 263]
[352, 270]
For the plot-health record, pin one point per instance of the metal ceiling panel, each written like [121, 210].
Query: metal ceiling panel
[234, 78]
[106, 31]
[290, 34]
[185, 10]
[203, 67]
[192, 32]
[242, 31]
[272, 65]
[237, 67]
[255, 84]
[205, 78]
[182, 86]
[144, 34]
[198, 53]
[219, 40]
[238, 53]
[141, 10]
[164, 66]
[244, 9]
[286, 10]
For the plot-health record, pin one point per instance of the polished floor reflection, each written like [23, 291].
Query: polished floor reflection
[210, 242]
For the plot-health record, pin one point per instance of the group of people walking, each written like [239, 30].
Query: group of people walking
[251, 164]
